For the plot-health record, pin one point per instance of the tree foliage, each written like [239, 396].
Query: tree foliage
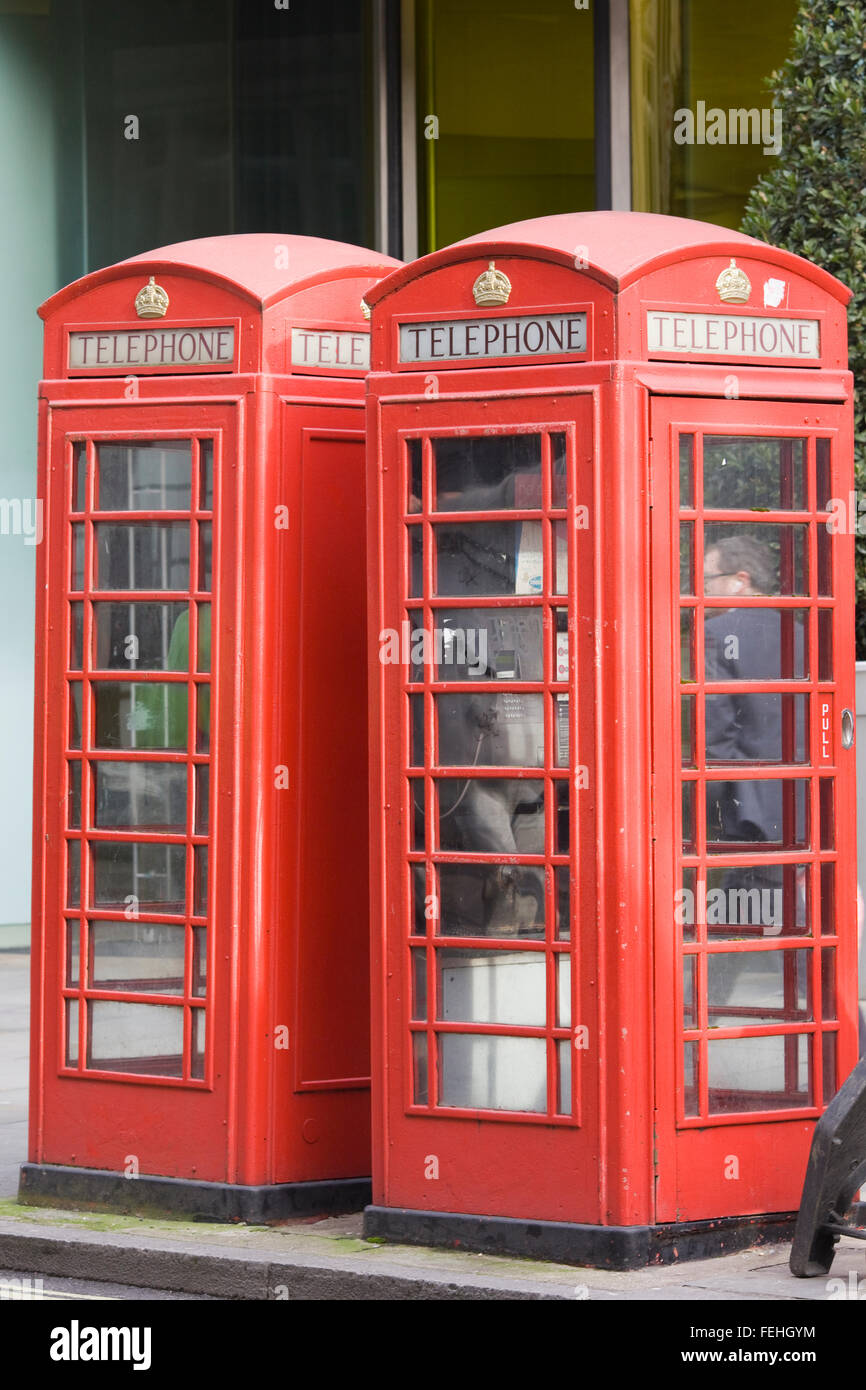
[813, 201]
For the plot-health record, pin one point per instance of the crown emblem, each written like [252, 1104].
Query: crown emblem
[151, 302]
[734, 285]
[365, 309]
[492, 287]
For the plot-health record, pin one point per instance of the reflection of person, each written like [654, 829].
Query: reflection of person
[744, 645]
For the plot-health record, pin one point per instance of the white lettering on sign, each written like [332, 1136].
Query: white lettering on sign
[732, 335]
[825, 731]
[457, 340]
[315, 347]
[153, 347]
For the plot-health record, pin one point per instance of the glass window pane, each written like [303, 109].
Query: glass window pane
[73, 873]
[79, 475]
[487, 473]
[416, 803]
[73, 960]
[563, 1076]
[76, 635]
[73, 804]
[419, 984]
[151, 795]
[691, 1097]
[415, 542]
[560, 557]
[197, 1042]
[825, 562]
[72, 1032]
[502, 815]
[825, 644]
[489, 558]
[687, 471]
[142, 555]
[759, 810]
[688, 817]
[825, 804]
[499, 900]
[137, 957]
[687, 730]
[558, 459]
[823, 476]
[751, 901]
[141, 636]
[205, 556]
[749, 1074]
[562, 902]
[760, 728]
[563, 990]
[149, 476]
[75, 714]
[515, 135]
[200, 887]
[687, 907]
[202, 798]
[415, 481]
[828, 983]
[687, 557]
[743, 559]
[756, 644]
[830, 1086]
[485, 1072]
[146, 1039]
[488, 644]
[690, 998]
[204, 638]
[199, 961]
[149, 715]
[754, 473]
[132, 874]
[562, 843]
[205, 457]
[561, 731]
[496, 730]
[687, 644]
[420, 1086]
[828, 900]
[745, 988]
[491, 987]
[76, 547]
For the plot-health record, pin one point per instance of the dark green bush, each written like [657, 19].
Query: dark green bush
[813, 201]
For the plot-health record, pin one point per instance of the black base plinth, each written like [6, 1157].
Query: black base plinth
[600, 1247]
[47, 1184]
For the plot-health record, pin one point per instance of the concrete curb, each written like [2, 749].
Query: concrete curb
[187, 1267]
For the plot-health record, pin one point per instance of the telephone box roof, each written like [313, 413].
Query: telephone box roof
[616, 248]
[264, 267]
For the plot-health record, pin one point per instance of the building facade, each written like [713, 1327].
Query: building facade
[397, 124]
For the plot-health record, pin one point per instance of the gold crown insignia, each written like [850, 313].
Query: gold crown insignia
[365, 309]
[734, 285]
[151, 302]
[492, 287]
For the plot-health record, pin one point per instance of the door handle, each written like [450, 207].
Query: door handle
[847, 729]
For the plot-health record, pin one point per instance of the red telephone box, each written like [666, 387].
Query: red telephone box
[614, 920]
[198, 918]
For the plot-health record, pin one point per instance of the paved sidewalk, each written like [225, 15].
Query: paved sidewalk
[328, 1259]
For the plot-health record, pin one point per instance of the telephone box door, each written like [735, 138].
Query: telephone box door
[133, 706]
[755, 878]
[486, 671]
